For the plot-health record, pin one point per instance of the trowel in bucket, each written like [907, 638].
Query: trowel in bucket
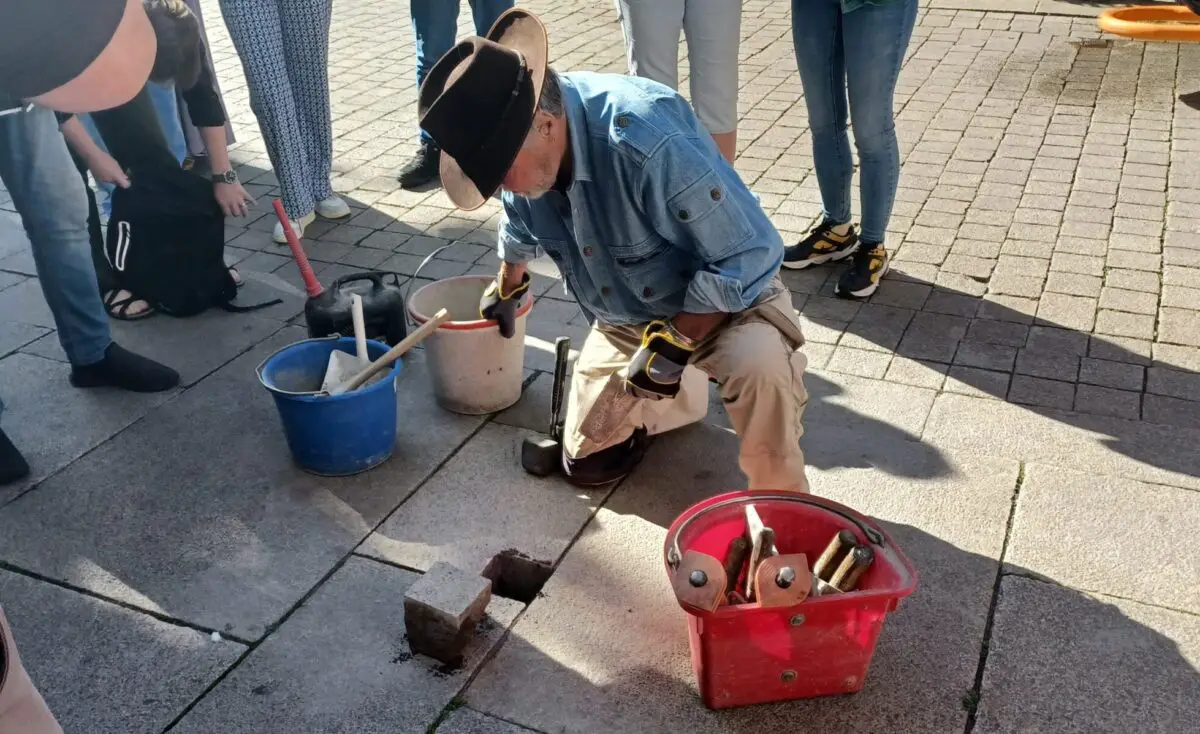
[342, 366]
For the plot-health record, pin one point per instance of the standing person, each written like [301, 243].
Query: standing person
[713, 29]
[668, 252]
[854, 47]
[435, 24]
[284, 48]
[196, 148]
[38, 172]
[67, 56]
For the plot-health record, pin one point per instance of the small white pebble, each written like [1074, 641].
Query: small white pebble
[216, 637]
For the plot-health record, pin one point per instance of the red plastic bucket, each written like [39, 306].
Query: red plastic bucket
[746, 654]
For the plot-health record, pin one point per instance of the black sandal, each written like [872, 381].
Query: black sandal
[118, 308]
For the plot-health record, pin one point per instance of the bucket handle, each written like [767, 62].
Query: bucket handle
[408, 291]
[674, 555]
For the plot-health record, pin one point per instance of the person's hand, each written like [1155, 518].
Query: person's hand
[233, 199]
[500, 305]
[105, 169]
[657, 366]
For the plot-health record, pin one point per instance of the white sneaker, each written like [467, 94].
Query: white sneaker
[297, 227]
[333, 208]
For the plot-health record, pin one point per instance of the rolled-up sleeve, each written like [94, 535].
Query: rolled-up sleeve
[515, 244]
[706, 209]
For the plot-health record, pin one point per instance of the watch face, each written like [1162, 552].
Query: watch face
[228, 177]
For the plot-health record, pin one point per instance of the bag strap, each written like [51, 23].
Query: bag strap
[243, 309]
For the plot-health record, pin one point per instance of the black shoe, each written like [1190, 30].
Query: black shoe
[422, 167]
[870, 263]
[126, 370]
[12, 464]
[609, 465]
[820, 246]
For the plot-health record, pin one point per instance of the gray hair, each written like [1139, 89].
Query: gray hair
[551, 99]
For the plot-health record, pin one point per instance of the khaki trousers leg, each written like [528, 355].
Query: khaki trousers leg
[22, 709]
[755, 360]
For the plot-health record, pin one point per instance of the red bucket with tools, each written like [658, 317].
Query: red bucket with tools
[786, 594]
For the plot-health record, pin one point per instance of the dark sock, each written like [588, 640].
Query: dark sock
[12, 464]
[126, 370]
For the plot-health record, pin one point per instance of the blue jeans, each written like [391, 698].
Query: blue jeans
[163, 97]
[435, 25]
[45, 187]
[859, 52]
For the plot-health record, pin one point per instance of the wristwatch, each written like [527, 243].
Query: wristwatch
[228, 177]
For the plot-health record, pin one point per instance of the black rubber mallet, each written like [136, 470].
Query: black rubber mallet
[541, 456]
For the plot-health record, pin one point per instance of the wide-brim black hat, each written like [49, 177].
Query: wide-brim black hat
[478, 102]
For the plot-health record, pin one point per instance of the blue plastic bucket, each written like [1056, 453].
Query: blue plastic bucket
[331, 435]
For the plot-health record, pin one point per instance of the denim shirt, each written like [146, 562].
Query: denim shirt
[655, 221]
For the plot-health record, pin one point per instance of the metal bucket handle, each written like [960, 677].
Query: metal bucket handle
[408, 291]
[675, 556]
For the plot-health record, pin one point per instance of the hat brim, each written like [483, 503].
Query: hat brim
[523, 32]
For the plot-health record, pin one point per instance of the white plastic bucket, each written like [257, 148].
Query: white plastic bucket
[474, 369]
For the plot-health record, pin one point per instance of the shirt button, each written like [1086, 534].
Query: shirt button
[647, 292]
[715, 194]
[605, 290]
[683, 214]
[587, 252]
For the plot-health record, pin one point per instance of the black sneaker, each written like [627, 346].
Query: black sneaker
[822, 245]
[422, 167]
[123, 369]
[12, 464]
[870, 263]
[609, 465]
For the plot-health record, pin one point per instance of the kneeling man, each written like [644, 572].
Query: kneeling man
[667, 251]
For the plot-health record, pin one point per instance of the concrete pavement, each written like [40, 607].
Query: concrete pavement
[1017, 403]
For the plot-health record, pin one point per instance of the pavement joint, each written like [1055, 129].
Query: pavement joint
[973, 697]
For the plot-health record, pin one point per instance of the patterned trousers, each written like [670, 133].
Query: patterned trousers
[284, 48]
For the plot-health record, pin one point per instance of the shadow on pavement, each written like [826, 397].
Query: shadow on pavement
[607, 650]
[988, 349]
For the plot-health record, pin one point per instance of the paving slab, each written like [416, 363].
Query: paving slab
[606, 648]
[1064, 661]
[466, 720]
[1108, 535]
[194, 347]
[1080, 441]
[53, 423]
[481, 503]
[836, 399]
[341, 664]
[14, 335]
[25, 304]
[8, 279]
[223, 531]
[105, 669]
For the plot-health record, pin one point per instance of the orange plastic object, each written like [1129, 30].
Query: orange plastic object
[1175, 23]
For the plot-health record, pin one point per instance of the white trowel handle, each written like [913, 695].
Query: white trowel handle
[360, 328]
[395, 352]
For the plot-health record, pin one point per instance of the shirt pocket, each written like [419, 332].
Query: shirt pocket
[654, 270]
[716, 223]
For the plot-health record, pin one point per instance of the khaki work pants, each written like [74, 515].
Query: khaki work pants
[22, 709]
[754, 358]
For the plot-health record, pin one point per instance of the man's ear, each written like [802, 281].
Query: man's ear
[543, 123]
